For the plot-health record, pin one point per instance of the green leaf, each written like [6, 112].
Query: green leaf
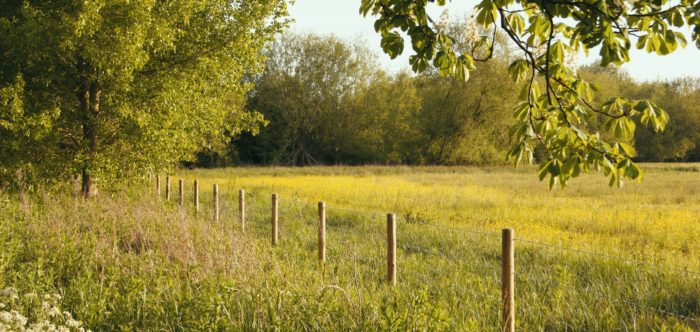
[544, 170]
[632, 171]
[554, 168]
[557, 52]
[641, 42]
[681, 39]
[552, 181]
[392, 44]
[628, 149]
[676, 19]
[366, 6]
[486, 13]
[518, 69]
[442, 63]
[516, 22]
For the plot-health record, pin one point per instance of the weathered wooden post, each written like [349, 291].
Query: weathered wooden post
[274, 220]
[196, 196]
[322, 231]
[167, 188]
[241, 208]
[216, 202]
[391, 248]
[181, 192]
[508, 280]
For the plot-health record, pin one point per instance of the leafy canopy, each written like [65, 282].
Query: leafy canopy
[556, 111]
[328, 101]
[116, 88]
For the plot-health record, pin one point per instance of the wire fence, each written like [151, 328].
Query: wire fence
[373, 215]
[252, 207]
[257, 206]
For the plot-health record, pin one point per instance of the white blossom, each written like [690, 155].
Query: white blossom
[471, 31]
[48, 316]
[570, 61]
[444, 21]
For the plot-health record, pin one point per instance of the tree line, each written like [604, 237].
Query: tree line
[326, 100]
[107, 91]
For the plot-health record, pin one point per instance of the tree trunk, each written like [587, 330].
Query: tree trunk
[90, 104]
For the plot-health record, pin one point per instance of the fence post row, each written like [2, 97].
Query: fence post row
[274, 219]
[216, 202]
[508, 280]
[196, 196]
[322, 231]
[391, 248]
[241, 208]
[181, 192]
[167, 188]
[507, 256]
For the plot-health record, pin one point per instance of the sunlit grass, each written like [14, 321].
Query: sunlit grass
[136, 262]
[659, 218]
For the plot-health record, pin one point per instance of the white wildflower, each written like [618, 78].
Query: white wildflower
[45, 306]
[73, 323]
[9, 291]
[5, 317]
[19, 318]
[51, 318]
[55, 312]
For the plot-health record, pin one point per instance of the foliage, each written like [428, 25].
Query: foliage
[306, 93]
[112, 89]
[681, 142]
[365, 115]
[679, 97]
[327, 101]
[556, 111]
[132, 262]
[466, 122]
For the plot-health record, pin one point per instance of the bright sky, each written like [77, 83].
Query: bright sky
[342, 18]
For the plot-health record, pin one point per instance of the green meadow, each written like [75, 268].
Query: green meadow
[587, 257]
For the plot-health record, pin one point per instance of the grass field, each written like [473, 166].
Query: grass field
[588, 257]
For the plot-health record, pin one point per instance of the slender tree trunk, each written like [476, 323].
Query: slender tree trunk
[90, 104]
[84, 98]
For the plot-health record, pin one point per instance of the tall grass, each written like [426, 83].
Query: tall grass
[129, 261]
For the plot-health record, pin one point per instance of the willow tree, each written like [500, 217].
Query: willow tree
[556, 111]
[112, 89]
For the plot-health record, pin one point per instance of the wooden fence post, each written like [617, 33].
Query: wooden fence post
[196, 196]
[216, 202]
[167, 188]
[158, 186]
[391, 248]
[274, 220]
[241, 208]
[508, 280]
[322, 231]
[181, 191]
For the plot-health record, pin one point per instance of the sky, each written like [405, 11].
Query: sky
[342, 18]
